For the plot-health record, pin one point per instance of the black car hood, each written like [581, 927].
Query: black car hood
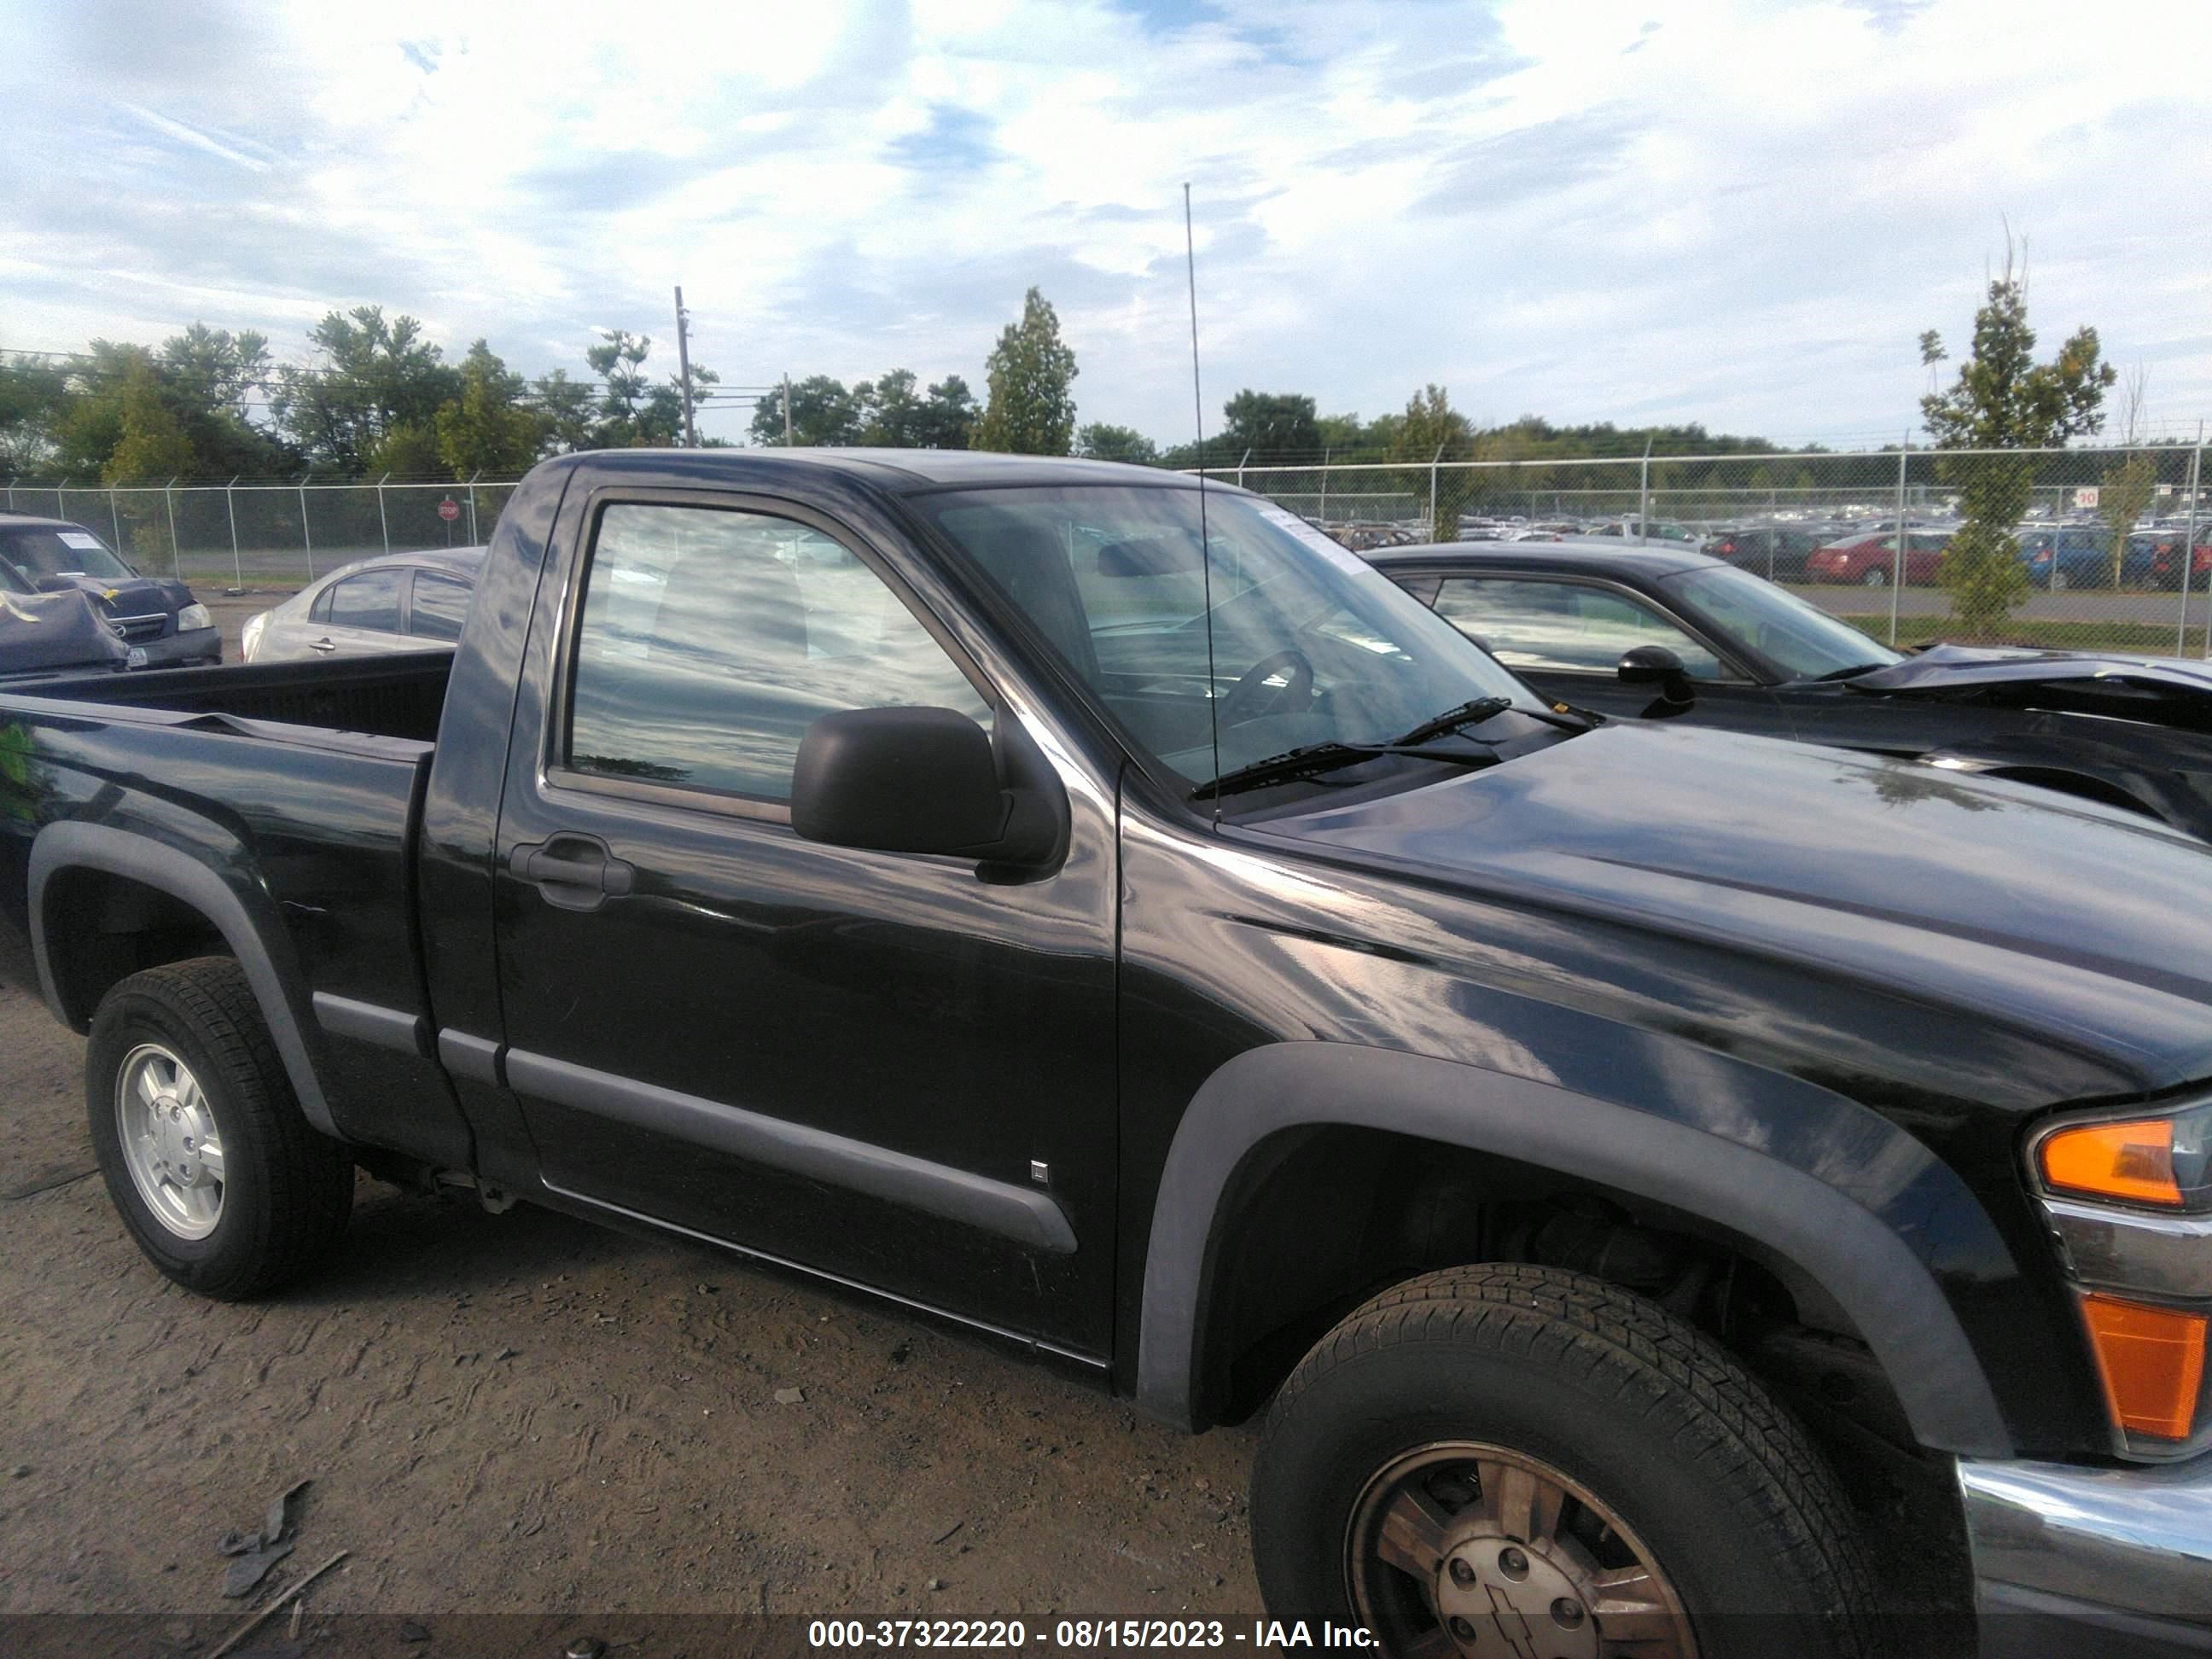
[135, 596]
[1961, 667]
[45, 633]
[2082, 923]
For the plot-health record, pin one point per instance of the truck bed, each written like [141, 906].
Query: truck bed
[392, 696]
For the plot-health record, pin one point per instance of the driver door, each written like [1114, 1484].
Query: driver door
[878, 1066]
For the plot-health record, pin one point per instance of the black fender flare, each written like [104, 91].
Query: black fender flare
[261, 947]
[1858, 1260]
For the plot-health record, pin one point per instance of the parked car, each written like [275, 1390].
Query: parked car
[1715, 646]
[2082, 557]
[1870, 559]
[1648, 531]
[1778, 552]
[156, 614]
[44, 636]
[394, 602]
[2161, 549]
[1118, 921]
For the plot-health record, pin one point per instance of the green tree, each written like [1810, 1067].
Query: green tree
[1100, 442]
[2003, 400]
[33, 393]
[488, 428]
[377, 375]
[1432, 430]
[1031, 407]
[150, 441]
[948, 416]
[2125, 492]
[1276, 427]
[619, 361]
[890, 411]
[215, 369]
[406, 452]
[1343, 434]
[824, 412]
[566, 410]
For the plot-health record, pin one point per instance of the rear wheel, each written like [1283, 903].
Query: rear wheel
[1514, 1459]
[223, 1183]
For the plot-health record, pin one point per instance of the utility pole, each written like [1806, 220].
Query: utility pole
[787, 412]
[683, 368]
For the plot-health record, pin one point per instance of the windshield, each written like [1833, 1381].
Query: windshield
[1804, 641]
[1308, 644]
[41, 553]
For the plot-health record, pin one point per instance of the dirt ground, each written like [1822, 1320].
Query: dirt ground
[522, 1413]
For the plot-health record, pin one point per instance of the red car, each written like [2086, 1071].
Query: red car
[1871, 560]
[2164, 547]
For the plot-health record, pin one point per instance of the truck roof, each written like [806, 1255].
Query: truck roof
[904, 471]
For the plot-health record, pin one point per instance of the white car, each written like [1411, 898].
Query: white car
[395, 602]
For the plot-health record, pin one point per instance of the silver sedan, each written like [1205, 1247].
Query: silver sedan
[395, 602]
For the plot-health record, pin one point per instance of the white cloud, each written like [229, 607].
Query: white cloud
[1743, 215]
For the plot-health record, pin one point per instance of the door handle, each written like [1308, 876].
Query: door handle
[576, 873]
[323, 644]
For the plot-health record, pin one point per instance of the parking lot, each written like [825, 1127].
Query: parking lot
[522, 1413]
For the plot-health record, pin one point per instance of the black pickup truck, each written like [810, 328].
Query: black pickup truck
[1648, 1175]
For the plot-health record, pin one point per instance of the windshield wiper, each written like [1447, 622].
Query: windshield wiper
[1468, 714]
[1561, 715]
[1310, 760]
[1851, 673]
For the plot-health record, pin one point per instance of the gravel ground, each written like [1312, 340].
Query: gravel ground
[523, 1413]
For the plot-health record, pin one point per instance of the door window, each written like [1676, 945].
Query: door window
[437, 607]
[1557, 626]
[710, 639]
[370, 601]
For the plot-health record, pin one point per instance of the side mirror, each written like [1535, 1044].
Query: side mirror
[1655, 664]
[919, 781]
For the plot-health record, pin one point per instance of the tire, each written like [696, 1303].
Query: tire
[1875, 577]
[182, 1053]
[1504, 1415]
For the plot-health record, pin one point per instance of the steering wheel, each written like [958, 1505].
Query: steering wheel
[1252, 696]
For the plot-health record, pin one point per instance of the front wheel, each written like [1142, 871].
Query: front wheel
[1874, 577]
[1512, 1460]
[225, 1185]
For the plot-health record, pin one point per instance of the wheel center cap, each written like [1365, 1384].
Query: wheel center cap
[177, 1138]
[1497, 1596]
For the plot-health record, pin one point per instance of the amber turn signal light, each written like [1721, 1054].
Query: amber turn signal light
[2153, 1363]
[2132, 1161]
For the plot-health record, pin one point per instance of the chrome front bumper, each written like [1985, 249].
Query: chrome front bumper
[2116, 1562]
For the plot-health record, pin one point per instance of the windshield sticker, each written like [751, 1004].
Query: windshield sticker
[1284, 518]
[81, 541]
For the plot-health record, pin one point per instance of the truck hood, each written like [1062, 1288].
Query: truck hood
[46, 633]
[2079, 923]
[1960, 667]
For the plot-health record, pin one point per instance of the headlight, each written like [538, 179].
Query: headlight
[2129, 1198]
[249, 637]
[2165, 1161]
[192, 616]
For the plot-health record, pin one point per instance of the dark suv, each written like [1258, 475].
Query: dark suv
[155, 614]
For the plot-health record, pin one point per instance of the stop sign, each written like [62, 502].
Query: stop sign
[449, 509]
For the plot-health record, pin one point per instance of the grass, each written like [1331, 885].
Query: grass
[2060, 633]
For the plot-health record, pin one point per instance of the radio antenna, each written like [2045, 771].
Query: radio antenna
[1205, 548]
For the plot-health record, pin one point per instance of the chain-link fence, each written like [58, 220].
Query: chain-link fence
[2105, 549]
[268, 537]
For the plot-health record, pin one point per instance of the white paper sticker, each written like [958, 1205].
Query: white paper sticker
[81, 541]
[1342, 558]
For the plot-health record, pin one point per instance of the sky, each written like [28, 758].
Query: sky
[1634, 210]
